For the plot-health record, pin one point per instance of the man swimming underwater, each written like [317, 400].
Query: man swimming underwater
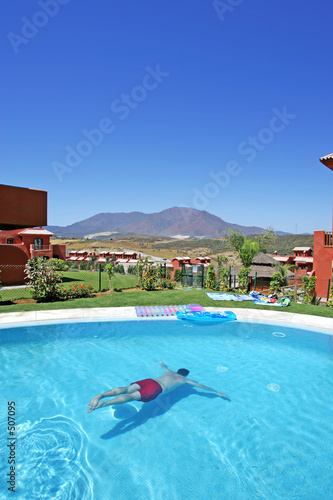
[148, 389]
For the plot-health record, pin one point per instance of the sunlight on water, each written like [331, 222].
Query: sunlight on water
[272, 440]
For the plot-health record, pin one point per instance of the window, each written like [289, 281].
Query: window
[10, 241]
[38, 242]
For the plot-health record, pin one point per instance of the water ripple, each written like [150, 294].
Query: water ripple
[54, 461]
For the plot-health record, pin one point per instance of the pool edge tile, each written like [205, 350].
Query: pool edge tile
[17, 317]
[109, 312]
[129, 312]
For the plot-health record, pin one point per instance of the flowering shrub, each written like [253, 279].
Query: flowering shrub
[76, 291]
[43, 279]
[148, 275]
[46, 285]
[167, 283]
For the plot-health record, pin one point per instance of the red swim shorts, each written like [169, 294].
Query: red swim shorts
[149, 389]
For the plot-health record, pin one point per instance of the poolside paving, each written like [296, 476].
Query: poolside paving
[128, 313]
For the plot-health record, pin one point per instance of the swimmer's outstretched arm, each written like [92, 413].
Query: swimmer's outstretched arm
[162, 365]
[191, 382]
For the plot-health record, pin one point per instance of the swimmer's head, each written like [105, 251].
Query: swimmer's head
[183, 371]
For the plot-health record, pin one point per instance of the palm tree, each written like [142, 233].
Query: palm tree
[285, 269]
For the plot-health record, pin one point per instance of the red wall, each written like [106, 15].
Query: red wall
[59, 251]
[22, 207]
[322, 263]
[12, 262]
[14, 234]
[28, 239]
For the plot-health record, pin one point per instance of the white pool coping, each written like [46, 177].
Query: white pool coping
[128, 313]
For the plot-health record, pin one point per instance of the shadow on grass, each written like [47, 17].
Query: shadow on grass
[68, 280]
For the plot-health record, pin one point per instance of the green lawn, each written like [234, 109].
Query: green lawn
[162, 297]
[119, 282]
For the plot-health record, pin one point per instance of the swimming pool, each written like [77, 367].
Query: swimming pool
[272, 440]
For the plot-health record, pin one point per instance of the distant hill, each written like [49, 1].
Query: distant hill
[173, 222]
[284, 244]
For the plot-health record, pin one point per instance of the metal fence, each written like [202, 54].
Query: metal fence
[193, 277]
[14, 286]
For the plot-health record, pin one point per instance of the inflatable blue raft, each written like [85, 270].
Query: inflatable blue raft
[206, 317]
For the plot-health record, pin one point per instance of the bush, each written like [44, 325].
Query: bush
[309, 285]
[330, 298]
[76, 291]
[148, 275]
[167, 283]
[43, 279]
[177, 275]
[210, 277]
[59, 265]
[85, 266]
[119, 268]
[243, 279]
[131, 270]
[276, 283]
[224, 278]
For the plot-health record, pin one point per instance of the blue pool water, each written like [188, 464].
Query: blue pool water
[273, 440]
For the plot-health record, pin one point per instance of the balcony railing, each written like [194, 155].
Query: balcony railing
[40, 248]
[328, 239]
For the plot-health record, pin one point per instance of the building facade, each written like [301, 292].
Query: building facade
[19, 245]
[177, 263]
[125, 258]
[302, 258]
[323, 250]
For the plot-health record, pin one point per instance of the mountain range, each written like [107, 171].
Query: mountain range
[175, 222]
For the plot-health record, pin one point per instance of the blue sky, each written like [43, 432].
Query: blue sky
[119, 106]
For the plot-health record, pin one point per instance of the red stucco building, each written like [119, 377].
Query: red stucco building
[320, 263]
[19, 245]
[323, 250]
[21, 210]
[22, 207]
[177, 263]
[302, 257]
[125, 258]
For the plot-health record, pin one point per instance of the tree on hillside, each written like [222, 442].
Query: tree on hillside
[246, 248]
[248, 251]
[266, 238]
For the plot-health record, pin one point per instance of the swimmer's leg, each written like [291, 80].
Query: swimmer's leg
[96, 401]
[134, 396]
